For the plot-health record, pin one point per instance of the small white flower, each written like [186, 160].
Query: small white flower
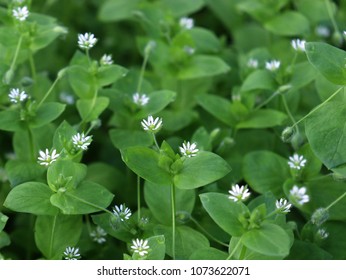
[299, 195]
[106, 59]
[71, 253]
[186, 22]
[151, 125]
[188, 149]
[140, 246]
[21, 13]
[46, 158]
[252, 63]
[140, 99]
[296, 162]
[16, 96]
[81, 141]
[66, 98]
[239, 193]
[189, 50]
[273, 65]
[322, 233]
[322, 31]
[298, 45]
[122, 212]
[86, 41]
[283, 206]
[98, 235]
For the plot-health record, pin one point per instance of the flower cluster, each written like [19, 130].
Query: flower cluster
[122, 212]
[16, 96]
[72, 253]
[20, 13]
[46, 158]
[140, 247]
[238, 193]
[296, 161]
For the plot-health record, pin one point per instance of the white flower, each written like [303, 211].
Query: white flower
[151, 125]
[283, 206]
[252, 63]
[322, 233]
[106, 59]
[21, 13]
[299, 195]
[273, 65]
[140, 246]
[298, 45]
[189, 150]
[98, 235]
[296, 162]
[16, 96]
[81, 141]
[140, 99]
[239, 193]
[46, 158]
[186, 22]
[67, 98]
[71, 253]
[322, 31]
[86, 41]
[122, 212]
[189, 50]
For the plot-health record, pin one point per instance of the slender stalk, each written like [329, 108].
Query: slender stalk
[173, 219]
[207, 233]
[155, 141]
[138, 199]
[31, 143]
[265, 102]
[32, 66]
[9, 73]
[141, 75]
[332, 18]
[288, 111]
[234, 250]
[336, 201]
[317, 107]
[48, 92]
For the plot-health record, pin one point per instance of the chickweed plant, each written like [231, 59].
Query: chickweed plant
[188, 130]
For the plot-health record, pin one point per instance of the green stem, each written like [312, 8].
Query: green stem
[288, 111]
[265, 102]
[336, 201]
[155, 141]
[138, 199]
[332, 18]
[49, 91]
[14, 61]
[141, 75]
[317, 107]
[32, 67]
[51, 241]
[173, 219]
[234, 250]
[31, 143]
[207, 233]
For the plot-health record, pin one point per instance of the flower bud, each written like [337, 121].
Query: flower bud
[287, 134]
[320, 216]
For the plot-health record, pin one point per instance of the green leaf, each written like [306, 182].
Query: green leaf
[158, 199]
[328, 60]
[209, 167]
[263, 118]
[181, 8]
[91, 109]
[326, 131]
[10, 121]
[266, 171]
[82, 82]
[87, 198]
[145, 163]
[4, 239]
[208, 254]
[63, 136]
[201, 66]
[31, 197]
[109, 74]
[19, 171]
[205, 40]
[299, 24]
[302, 250]
[47, 113]
[187, 240]
[54, 233]
[175, 120]
[115, 10]
[122, 138]
[335, 244]
[3, 220]
[269, 239]
[227, 214]
[259, 79]
[157, 248]
[218, 106]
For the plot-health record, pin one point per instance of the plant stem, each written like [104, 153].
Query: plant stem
[207, 233]
[173, 219]
[141, 75]
[31, 143]
[265, 102]
[14, 61]
[288, 111]
[138, 199]
[49, 91]
[332, 18]
[234, 250]
[336, 201]
[317, 107]
[155, 141]
[32, 66]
